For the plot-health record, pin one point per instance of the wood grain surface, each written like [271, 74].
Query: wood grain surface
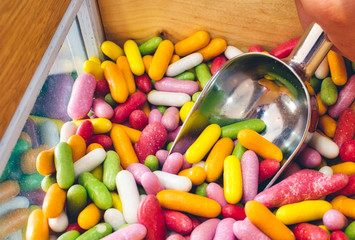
[26, 29]
[241, 22]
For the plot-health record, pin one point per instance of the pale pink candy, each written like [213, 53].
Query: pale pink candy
[81, 98]
[151, 183]
[205, 230]
[246, 230]
[215, 192]
[173, 163]
[137, 170]
[134, 231]
[224, 230]
[250, 175]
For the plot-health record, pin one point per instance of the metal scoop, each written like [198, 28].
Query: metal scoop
[241, 89]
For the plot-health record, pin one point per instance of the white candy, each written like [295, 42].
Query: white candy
[326, 147]
[60, 223]
[14, 203]
[184, 64]
[171, 99]
[323, 69]
[90, 161]
[232, 52]
[174, 182]
[326, 170]
[129, 195]
[199, 164]
[68, 129]
[114, 217]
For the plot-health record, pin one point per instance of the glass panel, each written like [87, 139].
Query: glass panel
[20, 182]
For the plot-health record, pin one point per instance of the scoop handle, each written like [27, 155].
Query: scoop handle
[309, 52]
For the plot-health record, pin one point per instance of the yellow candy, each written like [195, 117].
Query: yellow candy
[101, 125]
[263, 147]
[94, 68]
[147, 60]
[196, 174]
[346, 167]
[116, 201]
[192, 43]
[304, 211]
[98, 172]
[95, 59]
[112, 50]
[161, 60]
[232, 180]
[185, 110]
[134, 57]
[203, 144]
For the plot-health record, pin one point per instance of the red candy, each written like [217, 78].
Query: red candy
[268, 168]
[338, 235]
[153, 138]
[306, 231]
[122, 111]
[345, 129]
[178, 222]
[104, 140]
[143, 83]
[349, 189]
[285, 49]
[217, 63]
[347, 151]
[86, 131]
[305, 184]
[138, 119]
[255, 48]
[233, 211]
[76, 227]
[102, 88]
[151, 216]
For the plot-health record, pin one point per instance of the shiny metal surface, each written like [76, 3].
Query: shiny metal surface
[240, 91]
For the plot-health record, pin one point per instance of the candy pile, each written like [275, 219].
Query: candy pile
[93, 159]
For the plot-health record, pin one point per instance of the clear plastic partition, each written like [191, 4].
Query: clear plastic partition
[22, 187]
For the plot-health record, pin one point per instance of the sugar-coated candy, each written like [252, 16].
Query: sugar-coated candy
[305, 184]
[152, 139]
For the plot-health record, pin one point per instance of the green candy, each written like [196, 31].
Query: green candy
[201, 189]
[111, 167]
[64, 165]
[186, 76]
[328, 92]
[76, 201]
[203, 74]
[70, 235]
[97, 191]
[232, 130]
[151, 162]
[150, 46]
[97, 232]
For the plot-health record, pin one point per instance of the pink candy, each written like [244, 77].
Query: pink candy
[205, 230]
[224, 230]
[153, 138]
[250, 175]
[132, 231]
[303, 185]
[169, 84]
[245, 230]
[82, 96]
[173, 163]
